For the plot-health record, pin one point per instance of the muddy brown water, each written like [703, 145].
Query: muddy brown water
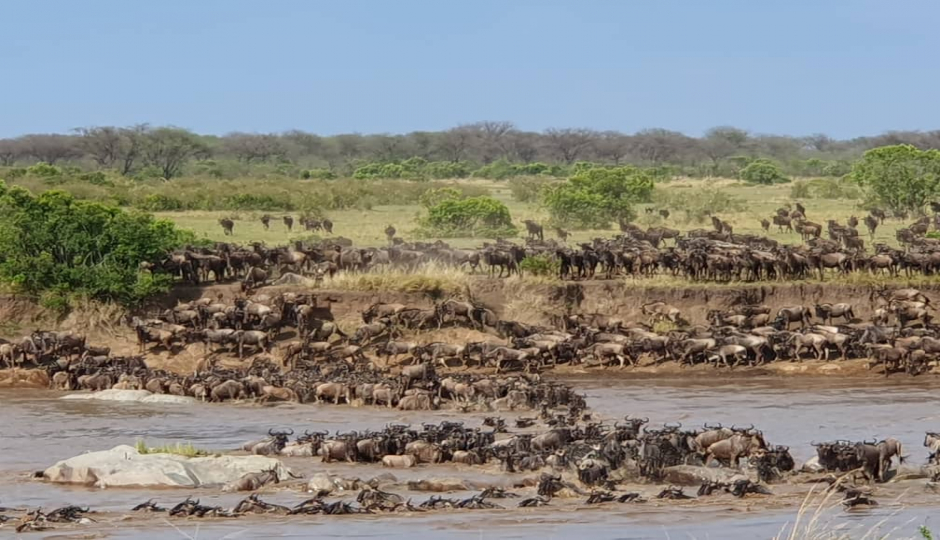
[38, 429]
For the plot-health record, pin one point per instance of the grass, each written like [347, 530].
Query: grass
[178, 449]
[433, 279]
[366, 227]
[818, 518]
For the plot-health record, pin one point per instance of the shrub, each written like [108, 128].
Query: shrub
[543, 264]
[451, 216]
[502, 169]
[52, 242]
[900, 177]
[595, 196]
[158, 202]
[762, 171]
[700, 203]
[527, 188]
[43, 170]
[800, 190]
[318, 174]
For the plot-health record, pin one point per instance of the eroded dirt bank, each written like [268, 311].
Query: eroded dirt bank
[534, 302]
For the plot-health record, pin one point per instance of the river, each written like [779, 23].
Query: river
[38, 429]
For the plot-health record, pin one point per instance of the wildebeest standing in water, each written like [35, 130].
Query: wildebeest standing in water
[289, 223]
[266, 221]
[228, 226]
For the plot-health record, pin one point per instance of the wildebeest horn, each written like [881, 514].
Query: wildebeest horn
[646, 420]
[814, 443]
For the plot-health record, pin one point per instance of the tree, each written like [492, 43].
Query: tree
[723, 142]
[659, 146]
[524, 145]
[493, 138]
[595, 196]
[613, 146]
[300, 144]
[10, 151]
[569, 144]
[455, 142]
[51, 148]
[170, 148]
[762, 171]
[253, 147]
[900, 177]
[135, 137]
[103, 144]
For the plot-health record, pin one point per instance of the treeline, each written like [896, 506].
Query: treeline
[483, 149]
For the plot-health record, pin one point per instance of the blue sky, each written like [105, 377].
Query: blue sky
[846, 68]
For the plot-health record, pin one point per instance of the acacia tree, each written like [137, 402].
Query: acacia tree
[900, 177]
[613, 146]
[170, 148]
[50, 148]
[723, 142]
[253, 147]
[103, 144]
[455, 142]
[492, 139]
[569, 144]
[10, 151]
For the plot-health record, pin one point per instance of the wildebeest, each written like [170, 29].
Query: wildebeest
[534, 230]
[737, 446]
[254, 481]
[827, 311]
[228, 226]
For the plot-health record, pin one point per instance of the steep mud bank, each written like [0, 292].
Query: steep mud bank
[534, 302]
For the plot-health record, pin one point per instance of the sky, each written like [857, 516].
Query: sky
[842, 67]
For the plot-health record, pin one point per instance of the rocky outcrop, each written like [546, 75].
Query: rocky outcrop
[124, 466]
[137, 396]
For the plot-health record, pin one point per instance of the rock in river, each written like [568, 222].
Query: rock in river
[689, 475]
[139, 396]
[123, 466]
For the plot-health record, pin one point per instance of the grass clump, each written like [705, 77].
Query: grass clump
[433, 279]
[178, 449]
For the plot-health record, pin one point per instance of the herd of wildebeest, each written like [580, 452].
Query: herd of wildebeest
[716, 254]
[299, 353]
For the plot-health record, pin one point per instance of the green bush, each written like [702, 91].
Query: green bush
[528, 188]
[502, 169]
[158, 202]
[595, 196]
[450, 216]
[53, 242]
[43, 170]
[318, 174]
[801, 190]
[544, 264]
[762, 171]
[698, 204]
[900, 177]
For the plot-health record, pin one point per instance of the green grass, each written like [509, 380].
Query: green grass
[366, 227]
[179, 449]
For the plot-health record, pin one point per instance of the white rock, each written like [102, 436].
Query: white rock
[123, 466]
[139, 396]
[690, 475]
[812, 465]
